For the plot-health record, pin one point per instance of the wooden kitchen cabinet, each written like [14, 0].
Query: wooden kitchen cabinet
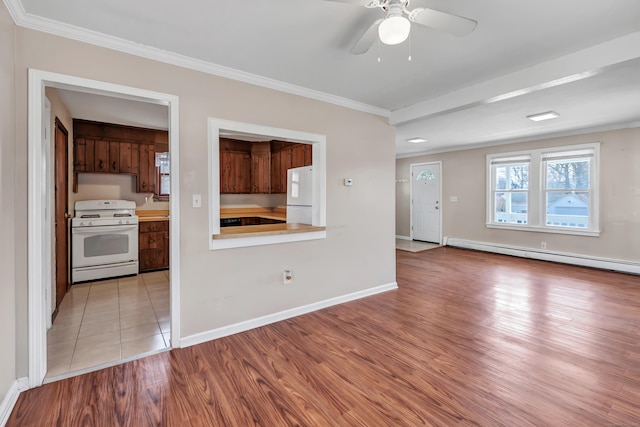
[146, 168]
[83, 157]
[114, 157]
[101, 156]
[235, 172]
[285, 157]
[276, 180]
[297, 155]
[153, 245]
[109, 148]
[261, 167]
[129, 158]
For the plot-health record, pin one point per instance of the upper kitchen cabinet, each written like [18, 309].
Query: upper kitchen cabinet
[109, 148]
[284, 156]
[259, 167]
[235, 167]
[146, 168]
[83, 155]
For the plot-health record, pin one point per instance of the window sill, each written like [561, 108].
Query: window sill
[559, 230]
[256, 235]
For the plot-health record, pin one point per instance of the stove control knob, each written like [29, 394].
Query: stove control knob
[90, 222]
[83, 223]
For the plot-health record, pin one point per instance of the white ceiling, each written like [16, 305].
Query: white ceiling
[444, 93]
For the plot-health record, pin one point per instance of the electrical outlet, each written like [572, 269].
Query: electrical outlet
[543, 245]
[287, 277]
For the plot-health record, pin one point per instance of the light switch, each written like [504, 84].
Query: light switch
[453, 198]
[348, 182]
[197, 201]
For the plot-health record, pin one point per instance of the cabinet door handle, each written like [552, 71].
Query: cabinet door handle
[114, 165]
[100, 164]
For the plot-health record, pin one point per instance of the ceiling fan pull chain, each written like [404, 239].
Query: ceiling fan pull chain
[378, 50]
[409, 59]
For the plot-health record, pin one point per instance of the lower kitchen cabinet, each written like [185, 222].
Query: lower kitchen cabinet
[153, 245]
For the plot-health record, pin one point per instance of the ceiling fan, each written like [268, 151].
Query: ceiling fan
[394, 28]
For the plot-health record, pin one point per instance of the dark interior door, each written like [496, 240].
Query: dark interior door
[61, 203]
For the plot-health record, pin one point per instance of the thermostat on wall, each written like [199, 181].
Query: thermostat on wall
[348, 182]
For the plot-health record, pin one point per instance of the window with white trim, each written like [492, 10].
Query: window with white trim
[510, 189]
[551, 190]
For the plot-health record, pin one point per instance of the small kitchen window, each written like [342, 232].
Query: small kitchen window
[309, 228]
[163, 168]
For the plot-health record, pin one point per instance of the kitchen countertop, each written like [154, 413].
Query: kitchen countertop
[147, 216]
[265, 230]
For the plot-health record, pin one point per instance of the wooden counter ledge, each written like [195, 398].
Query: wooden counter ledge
[156, 215]
[265, 230]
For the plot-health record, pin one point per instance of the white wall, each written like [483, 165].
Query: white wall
[220, 288]
[464, 176]
[8, 217]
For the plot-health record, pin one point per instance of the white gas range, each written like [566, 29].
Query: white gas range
[104, 240]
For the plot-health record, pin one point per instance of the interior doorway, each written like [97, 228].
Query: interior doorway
[426, 206]
[40, 228]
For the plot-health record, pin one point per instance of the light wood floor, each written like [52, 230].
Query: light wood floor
[469, 338]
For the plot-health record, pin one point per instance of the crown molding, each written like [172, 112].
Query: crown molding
[26, 20]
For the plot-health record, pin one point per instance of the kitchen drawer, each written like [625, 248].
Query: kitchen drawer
[151, 226]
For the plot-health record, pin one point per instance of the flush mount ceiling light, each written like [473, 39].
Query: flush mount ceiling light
[417, 140]
[543, 116]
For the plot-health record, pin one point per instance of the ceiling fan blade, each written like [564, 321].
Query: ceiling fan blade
[365, 3]
[442, 21]
[367, 39]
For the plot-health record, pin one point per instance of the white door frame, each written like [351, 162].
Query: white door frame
[439, 163]
[39, 230]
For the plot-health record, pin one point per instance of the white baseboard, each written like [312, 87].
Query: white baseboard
[403, 237]
[545, 255]
[11, 398]
[282, 315]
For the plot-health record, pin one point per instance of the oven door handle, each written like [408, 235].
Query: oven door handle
[107, 228]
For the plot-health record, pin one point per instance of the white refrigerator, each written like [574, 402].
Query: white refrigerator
[300, 195]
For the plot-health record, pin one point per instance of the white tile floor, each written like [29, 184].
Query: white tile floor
[414, 245]
[104, 321]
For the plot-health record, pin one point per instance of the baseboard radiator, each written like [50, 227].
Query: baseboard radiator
[623, 266]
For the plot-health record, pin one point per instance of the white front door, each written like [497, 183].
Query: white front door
[425, 198]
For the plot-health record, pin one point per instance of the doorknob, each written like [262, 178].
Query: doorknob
[67, 215]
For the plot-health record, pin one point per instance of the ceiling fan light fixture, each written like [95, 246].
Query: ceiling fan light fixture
[394, 29]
